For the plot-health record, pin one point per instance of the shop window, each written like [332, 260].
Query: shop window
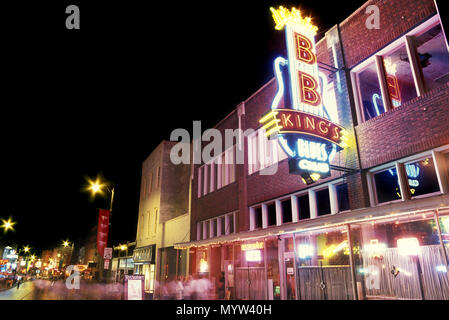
[399, 76]
[323, 202]
[343, 197]
[323, 257]
[286, 211]
[271, 214]
[422, 178]
[273, 272]
[371, 97]
[433, 57]
[387, 186]
[444, 225]
[400, 258]
[304, 207]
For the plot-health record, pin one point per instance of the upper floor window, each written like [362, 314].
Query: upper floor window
[419, 178]
[407, 68]
[218, 173]
[263, 152]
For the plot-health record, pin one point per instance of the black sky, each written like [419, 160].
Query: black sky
[100, 99]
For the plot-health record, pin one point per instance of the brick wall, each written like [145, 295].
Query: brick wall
[416, 126]
[396, 18]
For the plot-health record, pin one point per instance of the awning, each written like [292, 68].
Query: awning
[415, 206]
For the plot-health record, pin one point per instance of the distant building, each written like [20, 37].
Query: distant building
[164, 218]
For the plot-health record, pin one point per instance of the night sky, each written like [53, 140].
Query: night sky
[78, 103]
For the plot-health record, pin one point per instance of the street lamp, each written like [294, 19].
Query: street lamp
[97, 187]
[8, 225]
[65, 243]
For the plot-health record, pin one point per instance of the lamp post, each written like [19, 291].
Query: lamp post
[97, 187]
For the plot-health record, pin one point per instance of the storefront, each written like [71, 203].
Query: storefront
[359, 255]
[144, 264]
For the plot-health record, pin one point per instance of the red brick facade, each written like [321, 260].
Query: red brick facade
[418, 125]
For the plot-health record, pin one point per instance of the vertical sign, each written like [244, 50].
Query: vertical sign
[303, 127]
[102, 230]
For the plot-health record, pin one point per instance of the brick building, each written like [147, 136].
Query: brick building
[377, 224]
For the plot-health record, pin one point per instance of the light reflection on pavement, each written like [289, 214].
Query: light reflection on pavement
[48, 290]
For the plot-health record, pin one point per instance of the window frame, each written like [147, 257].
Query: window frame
[378, 56]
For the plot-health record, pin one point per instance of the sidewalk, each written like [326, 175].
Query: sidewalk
[23, 293]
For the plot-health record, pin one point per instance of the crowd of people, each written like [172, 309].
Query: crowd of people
[196, 287]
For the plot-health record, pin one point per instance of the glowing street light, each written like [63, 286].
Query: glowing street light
[97, 187]
[65, 243]
[26, 249]
[8, 225]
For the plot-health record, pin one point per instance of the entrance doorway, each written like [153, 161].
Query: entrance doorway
[325, 283]
[250, 283]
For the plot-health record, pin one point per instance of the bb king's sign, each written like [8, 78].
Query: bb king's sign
[304, 128]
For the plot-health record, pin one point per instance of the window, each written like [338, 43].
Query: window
[213, 228]
[150, 183]
[304, 207]
[271, 214]
[433, 57]
[422, 178]
[370, 94]
[219, 172]
[223, 226]
[343, 197]
[200, 175]
[388, 256]
[258, 217]
[399, 76]
[387, 186]
[323, 202]
[402, 81]
[262, 152]
[158, 177]
[205, 178]
[286, 211]
[231, 223]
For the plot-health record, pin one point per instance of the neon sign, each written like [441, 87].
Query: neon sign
[252, 246]
[304, 129]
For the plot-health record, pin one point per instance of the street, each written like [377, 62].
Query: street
[46, 290]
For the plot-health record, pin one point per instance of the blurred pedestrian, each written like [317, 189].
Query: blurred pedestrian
[221, 286]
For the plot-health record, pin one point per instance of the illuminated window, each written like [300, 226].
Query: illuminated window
[262, 152]
[343, 197]
[370, 94]
[399, 76]
[385, 258]
[323, 202]
[433, 56]
[387, 185]
[422, 178]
